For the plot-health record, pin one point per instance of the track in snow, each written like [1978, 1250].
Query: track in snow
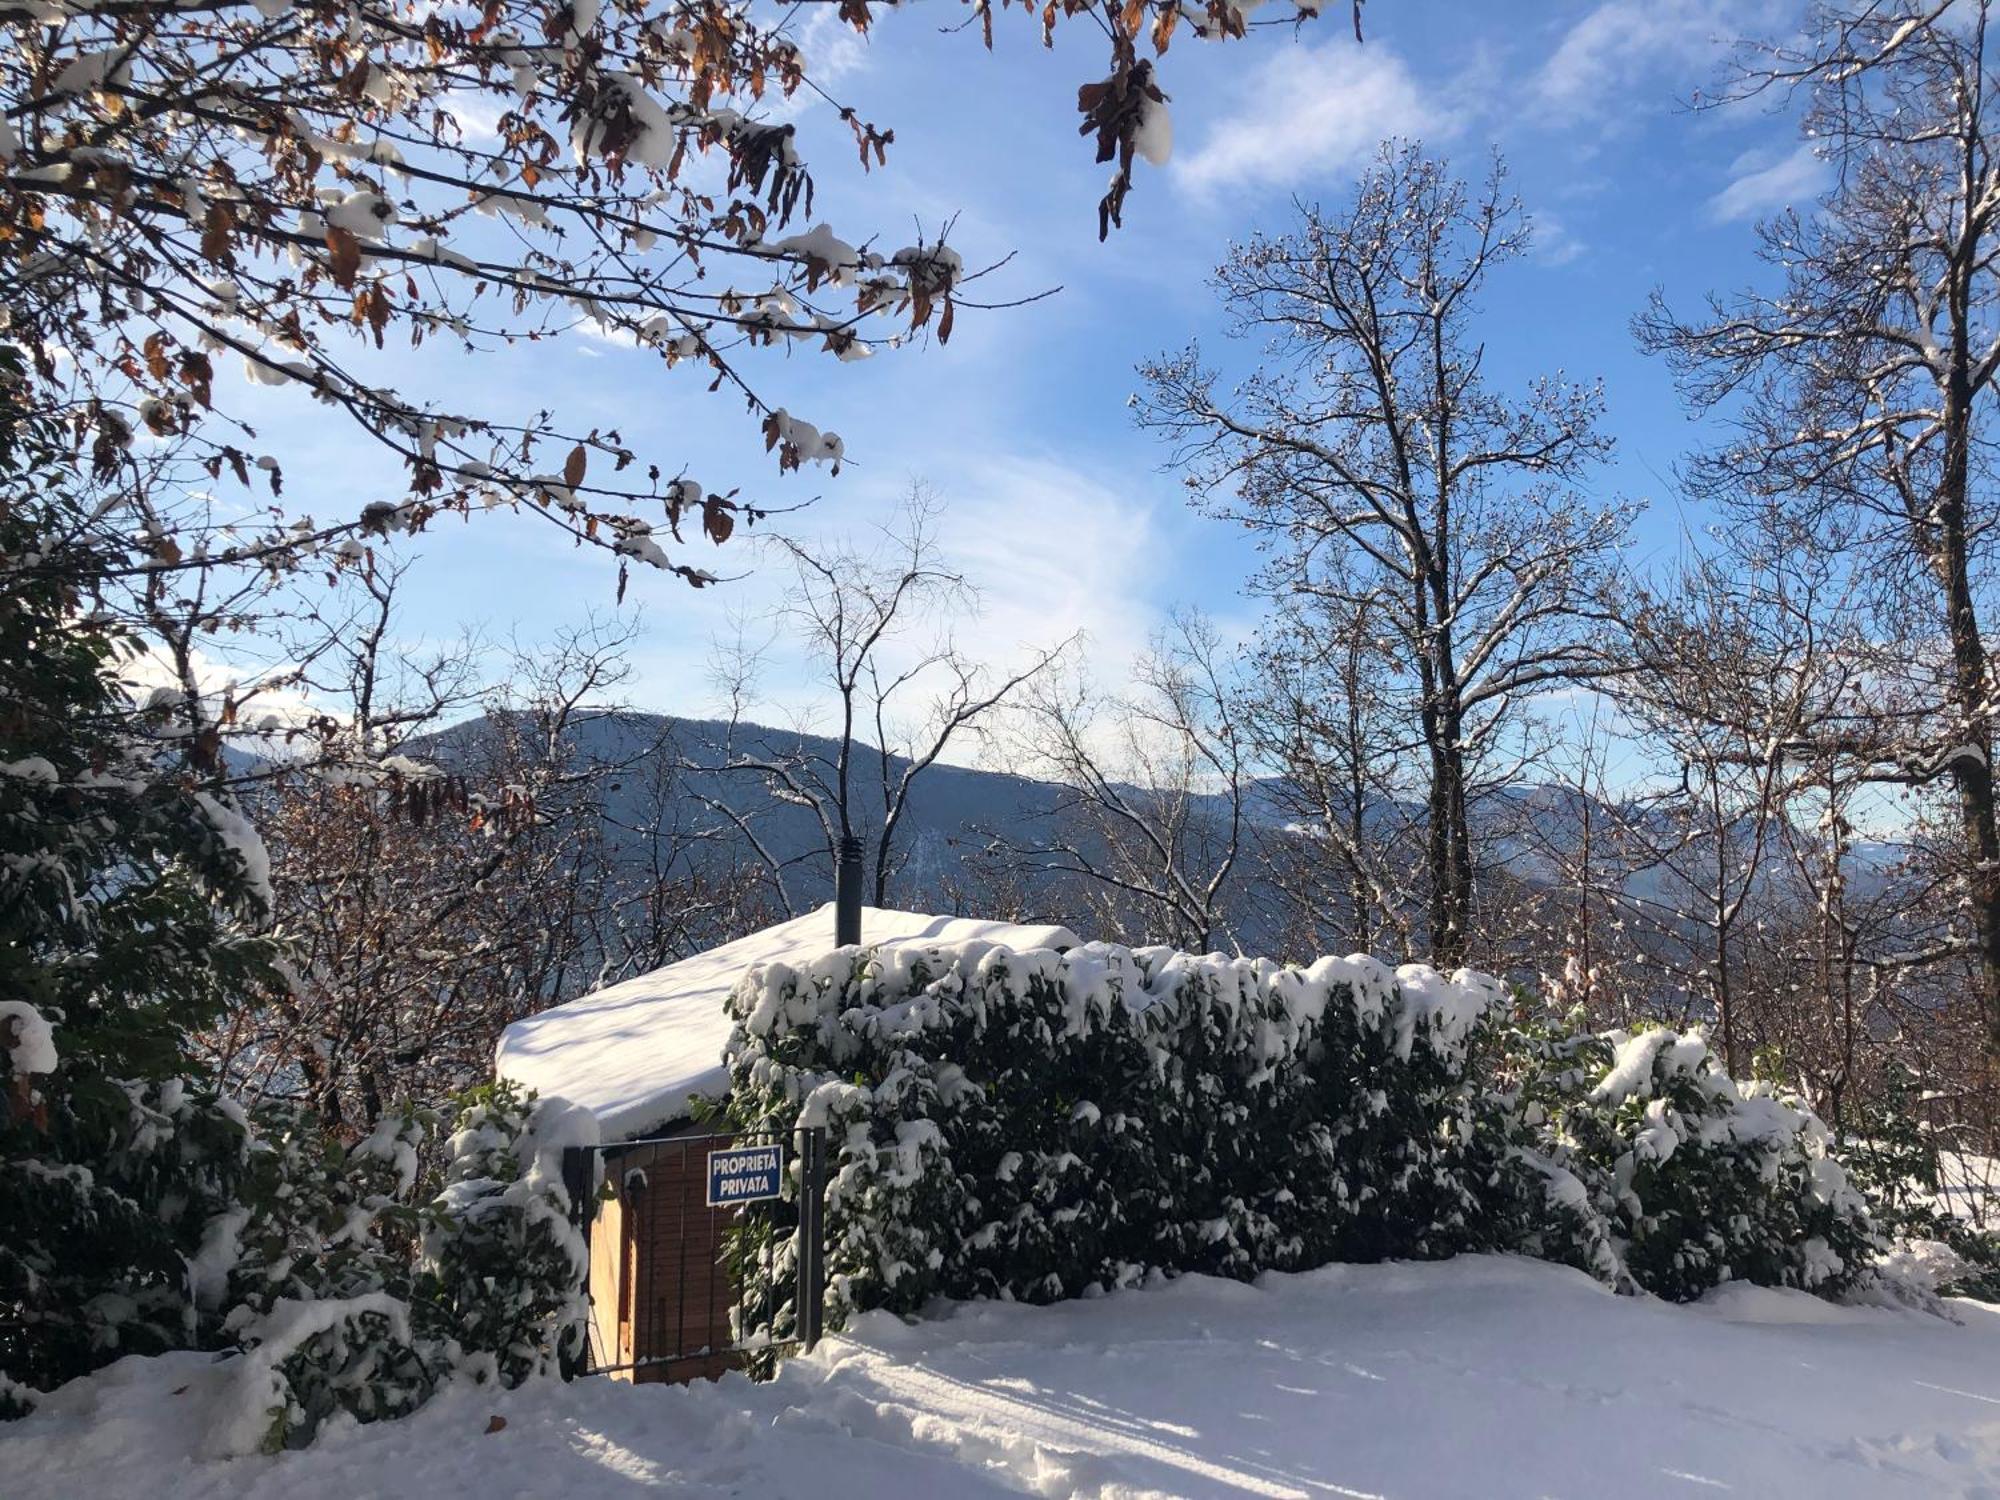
[1481, 1377]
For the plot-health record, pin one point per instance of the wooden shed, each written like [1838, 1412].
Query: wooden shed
[636, 1054]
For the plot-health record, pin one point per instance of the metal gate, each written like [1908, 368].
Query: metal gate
[681, 1288]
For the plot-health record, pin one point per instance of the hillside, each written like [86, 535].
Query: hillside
[954, 812]
[948, 806]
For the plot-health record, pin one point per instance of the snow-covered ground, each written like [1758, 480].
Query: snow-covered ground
[1484, 1377]
[1969, 1186]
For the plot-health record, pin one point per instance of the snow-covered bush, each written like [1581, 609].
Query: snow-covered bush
[102, 1209]
[1035, 1125]
[1894, 1159]
[352, 1291]
[503, 1268]
[307, 1358]
[1659, 1169]
[311, 1272]
[317, 1220]
[339, 1279]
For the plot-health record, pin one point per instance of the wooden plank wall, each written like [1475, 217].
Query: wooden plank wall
[664, 1287]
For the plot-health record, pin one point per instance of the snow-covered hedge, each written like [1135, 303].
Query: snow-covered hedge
[1661, 1171]
[1041, 1125]
[309, 1274]
[1941, 1245]
[1037, 1125]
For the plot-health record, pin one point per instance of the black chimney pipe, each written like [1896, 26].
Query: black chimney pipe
[847, 893]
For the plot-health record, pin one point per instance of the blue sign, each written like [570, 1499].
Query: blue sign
[744, 1174]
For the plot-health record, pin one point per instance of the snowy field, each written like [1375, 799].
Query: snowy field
[1483, 1377]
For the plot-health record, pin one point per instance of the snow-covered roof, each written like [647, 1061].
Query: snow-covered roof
[632, 1053]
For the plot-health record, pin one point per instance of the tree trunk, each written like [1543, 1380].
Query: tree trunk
[1460, 852]
[1448, 850]
[1363, 931]
[1725, 1009]
[1972, 774]
[1437, 858]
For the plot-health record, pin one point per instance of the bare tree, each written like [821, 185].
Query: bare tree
[439, 873]
[1569, 913]
[672, 880]
[1387, 476]
[1321, 705]
[1149, 818]
[1863, 388]
[879, 627]
[1732, 876]
[1745, 656]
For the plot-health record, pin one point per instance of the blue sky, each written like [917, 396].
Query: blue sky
[1056, 506]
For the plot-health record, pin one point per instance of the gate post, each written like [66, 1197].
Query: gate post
[579, 1175]
[812, 1235]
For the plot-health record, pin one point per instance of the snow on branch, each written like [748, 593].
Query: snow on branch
[191, 191]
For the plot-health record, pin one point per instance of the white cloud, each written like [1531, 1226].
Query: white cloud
[478, 115]
[1554, 243]
[1311, 112]
[1054, 551]
[833, 51]
[1620, 42]
[1053, 548]
[614, 334]
[1761, 186]
[268, 698]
